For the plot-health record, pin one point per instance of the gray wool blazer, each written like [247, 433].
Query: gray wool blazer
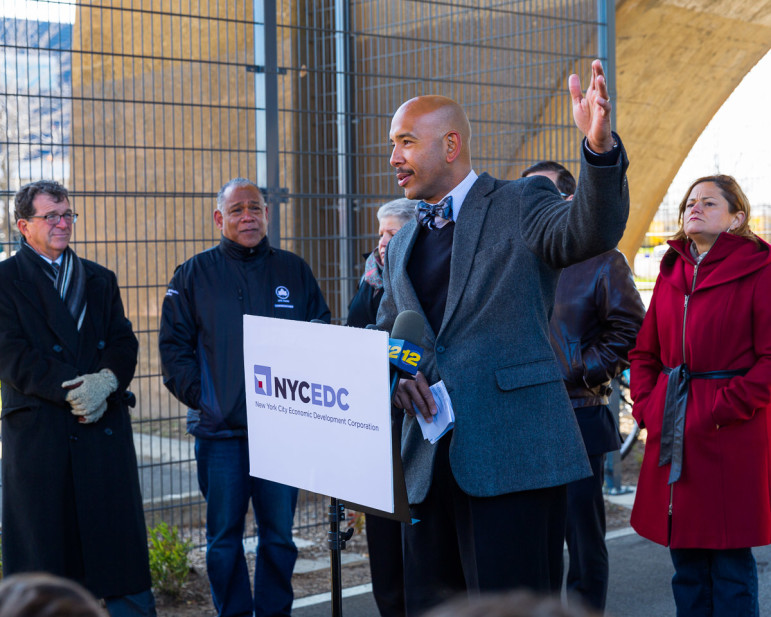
[515, 429]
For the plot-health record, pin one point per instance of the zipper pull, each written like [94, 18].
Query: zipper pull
[686, 301]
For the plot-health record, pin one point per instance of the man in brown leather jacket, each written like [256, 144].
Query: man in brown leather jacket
[597, 313]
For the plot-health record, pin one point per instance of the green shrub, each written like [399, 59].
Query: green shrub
[169, 559]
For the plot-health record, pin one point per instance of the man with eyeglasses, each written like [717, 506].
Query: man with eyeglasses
[71, 499]
[201, 345]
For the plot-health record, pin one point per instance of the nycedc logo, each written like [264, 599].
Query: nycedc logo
[289, 389]
[262, 380]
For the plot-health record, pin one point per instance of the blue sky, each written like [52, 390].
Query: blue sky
[51, 10]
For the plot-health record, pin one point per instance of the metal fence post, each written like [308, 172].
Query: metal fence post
[273, 172]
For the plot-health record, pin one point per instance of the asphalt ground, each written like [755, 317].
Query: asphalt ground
[640, 575]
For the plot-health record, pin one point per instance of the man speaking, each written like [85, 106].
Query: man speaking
[481, 263]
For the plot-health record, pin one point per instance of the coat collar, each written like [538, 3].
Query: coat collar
[43, 298]
[730, 258]
[244, 253]
[397, 257]
[466, 238]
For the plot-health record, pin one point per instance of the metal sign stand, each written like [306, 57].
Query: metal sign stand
[336, 540]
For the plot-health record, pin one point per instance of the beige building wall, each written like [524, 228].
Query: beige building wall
[159, 123]
[155, 126]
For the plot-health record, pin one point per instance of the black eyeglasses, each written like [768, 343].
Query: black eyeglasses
[53, 218]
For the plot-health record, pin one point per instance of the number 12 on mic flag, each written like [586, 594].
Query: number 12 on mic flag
[404, 355]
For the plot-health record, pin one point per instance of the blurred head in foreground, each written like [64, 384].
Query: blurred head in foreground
[45, 595]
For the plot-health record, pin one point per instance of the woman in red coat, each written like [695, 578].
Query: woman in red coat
[701, 383]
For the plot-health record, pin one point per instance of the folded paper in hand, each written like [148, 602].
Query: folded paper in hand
[443, 421]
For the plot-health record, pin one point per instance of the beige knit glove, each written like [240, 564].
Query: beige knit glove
[88, 394]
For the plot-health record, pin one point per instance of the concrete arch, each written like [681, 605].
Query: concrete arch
[677, 61]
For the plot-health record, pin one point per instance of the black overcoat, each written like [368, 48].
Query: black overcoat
[71, 499]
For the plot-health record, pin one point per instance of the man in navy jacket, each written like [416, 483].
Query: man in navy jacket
[201, 345]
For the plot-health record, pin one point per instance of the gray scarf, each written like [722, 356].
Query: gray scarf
[69, 279]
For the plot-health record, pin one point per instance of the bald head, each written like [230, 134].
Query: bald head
[430, 137]
[442, 113]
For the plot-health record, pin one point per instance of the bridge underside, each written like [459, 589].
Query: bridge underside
[677, 61]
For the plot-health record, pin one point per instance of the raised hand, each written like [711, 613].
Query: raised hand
[591, 113]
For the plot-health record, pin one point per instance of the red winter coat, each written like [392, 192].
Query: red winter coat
[723, 497]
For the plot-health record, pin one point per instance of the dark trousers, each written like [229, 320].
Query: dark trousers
[384, 541]
[135, 605]
[585, 534]
[224, 480]
[715, 583]
[465, 544]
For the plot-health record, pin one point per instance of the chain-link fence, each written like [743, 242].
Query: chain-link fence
[144, 109]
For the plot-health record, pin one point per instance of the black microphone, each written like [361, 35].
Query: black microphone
[404, 352]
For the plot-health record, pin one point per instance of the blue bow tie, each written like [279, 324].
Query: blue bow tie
[427, 213]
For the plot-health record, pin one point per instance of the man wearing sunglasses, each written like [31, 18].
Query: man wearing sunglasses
[71, 499]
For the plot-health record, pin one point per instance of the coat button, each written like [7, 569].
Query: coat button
[108, 431]
[100, 345]
[57, 348]
[73, 438]
[440, 349]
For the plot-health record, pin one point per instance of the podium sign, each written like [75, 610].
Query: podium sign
[318, 408]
